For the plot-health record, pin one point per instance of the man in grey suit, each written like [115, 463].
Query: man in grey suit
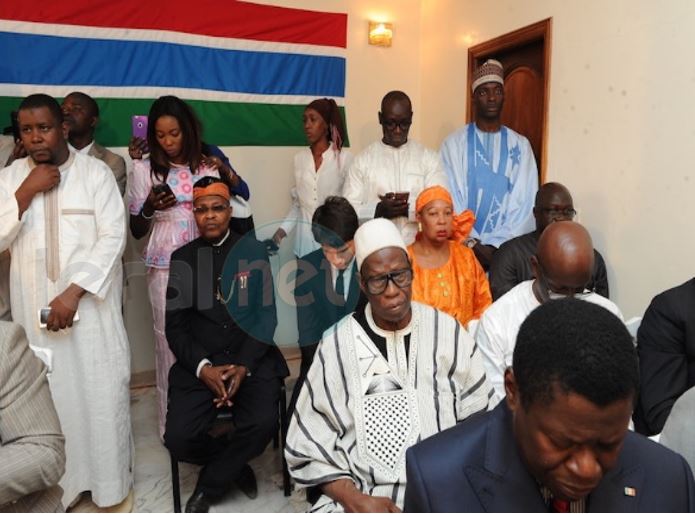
[81, 114]
[31, 443]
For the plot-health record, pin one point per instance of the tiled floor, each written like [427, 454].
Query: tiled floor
[153, 468]
[153, 471]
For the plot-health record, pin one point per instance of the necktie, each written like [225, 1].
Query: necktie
[559, 505]
[340, 285]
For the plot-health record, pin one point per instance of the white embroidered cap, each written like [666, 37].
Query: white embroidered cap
[490, 71]
[375, 235]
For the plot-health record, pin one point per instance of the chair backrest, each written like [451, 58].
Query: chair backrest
[632, 326]
[46, 355]
[679, 430]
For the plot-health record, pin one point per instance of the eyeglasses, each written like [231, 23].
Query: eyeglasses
[547, 293]
[392, 124]
[216, 209]
[568, 212]
[378, 284]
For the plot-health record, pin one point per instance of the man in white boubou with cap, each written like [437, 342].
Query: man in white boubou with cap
[385, 377]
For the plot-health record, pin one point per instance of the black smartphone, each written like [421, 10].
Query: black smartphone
[162, 188]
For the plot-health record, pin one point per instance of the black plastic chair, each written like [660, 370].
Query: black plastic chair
[278, 443]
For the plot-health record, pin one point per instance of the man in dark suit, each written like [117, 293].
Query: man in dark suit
[220, 322]
[81, 114]
[559, 442]
[666, 349]
[326, 287]
[511, 264]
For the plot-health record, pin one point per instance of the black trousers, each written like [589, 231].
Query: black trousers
[190, 417]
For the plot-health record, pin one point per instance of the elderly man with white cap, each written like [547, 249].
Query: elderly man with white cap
[385, 377]
[491, 168]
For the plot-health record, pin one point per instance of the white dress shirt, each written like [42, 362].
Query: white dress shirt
[312, 187]
[499, 326]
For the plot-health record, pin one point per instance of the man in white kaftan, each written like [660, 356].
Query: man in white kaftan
[63, 219]
[383, 378]
[491, 168]
[391, 166]
[567, 256]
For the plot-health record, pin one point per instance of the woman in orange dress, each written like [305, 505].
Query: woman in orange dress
[447, 274]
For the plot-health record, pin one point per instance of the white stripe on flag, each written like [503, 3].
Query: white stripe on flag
[166, 36]
[22, 90]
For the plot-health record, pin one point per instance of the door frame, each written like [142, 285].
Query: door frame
[541, 30]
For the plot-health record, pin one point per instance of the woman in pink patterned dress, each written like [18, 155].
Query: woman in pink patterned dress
[160, 198]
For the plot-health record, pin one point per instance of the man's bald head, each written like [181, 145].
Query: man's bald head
[564, 257]
[553, 203]
[395, 97]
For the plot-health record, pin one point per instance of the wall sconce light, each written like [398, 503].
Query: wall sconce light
[380, 34]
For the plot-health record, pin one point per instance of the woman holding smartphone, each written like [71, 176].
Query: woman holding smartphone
[160, 201]
[319, 172]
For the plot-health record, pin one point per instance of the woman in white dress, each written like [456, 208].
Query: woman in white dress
[319, 172]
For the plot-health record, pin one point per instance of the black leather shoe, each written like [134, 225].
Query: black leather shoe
[198, 502]
[247, 482]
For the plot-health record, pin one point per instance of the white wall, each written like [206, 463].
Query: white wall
[620, 122]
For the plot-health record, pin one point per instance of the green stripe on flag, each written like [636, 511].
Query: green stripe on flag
[226, 123]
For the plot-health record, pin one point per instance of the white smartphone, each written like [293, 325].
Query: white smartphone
[43, 316]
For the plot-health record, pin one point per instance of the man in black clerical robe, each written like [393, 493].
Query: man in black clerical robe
[220, 322]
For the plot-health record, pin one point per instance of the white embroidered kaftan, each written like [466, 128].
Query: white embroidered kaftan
[381, 169]
[91, 360]
[359, 412]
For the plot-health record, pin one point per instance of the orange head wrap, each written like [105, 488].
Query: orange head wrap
[214, 189]
[462, 223]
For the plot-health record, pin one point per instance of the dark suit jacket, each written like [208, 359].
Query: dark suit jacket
[318, 307]
[666, 349]
[475, 467]
[199, 326]
[511, 265]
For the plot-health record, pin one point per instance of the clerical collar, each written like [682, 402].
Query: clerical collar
[68, 162]
[386, 333]
[221, 242]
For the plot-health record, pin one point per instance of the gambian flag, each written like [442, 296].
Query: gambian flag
[247, 69]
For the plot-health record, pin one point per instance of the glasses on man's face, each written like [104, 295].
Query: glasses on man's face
[216, 209]
[568, 212]
[378, 284]
[547, 292]
[402, 124]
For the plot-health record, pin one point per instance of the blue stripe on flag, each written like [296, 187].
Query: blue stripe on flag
[51, 60]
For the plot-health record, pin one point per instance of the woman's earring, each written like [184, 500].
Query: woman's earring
[419, 226]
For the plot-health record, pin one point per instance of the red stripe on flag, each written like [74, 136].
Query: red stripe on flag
[219, 18]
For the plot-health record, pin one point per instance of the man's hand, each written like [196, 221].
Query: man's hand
[137, 148]
[214, 377]
[484, 254]
[365, 503]
[391, 207]
[235, 376]
[352, 499]
[43, 177]
[63, 308]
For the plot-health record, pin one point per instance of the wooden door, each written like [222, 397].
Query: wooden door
[525, 56]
